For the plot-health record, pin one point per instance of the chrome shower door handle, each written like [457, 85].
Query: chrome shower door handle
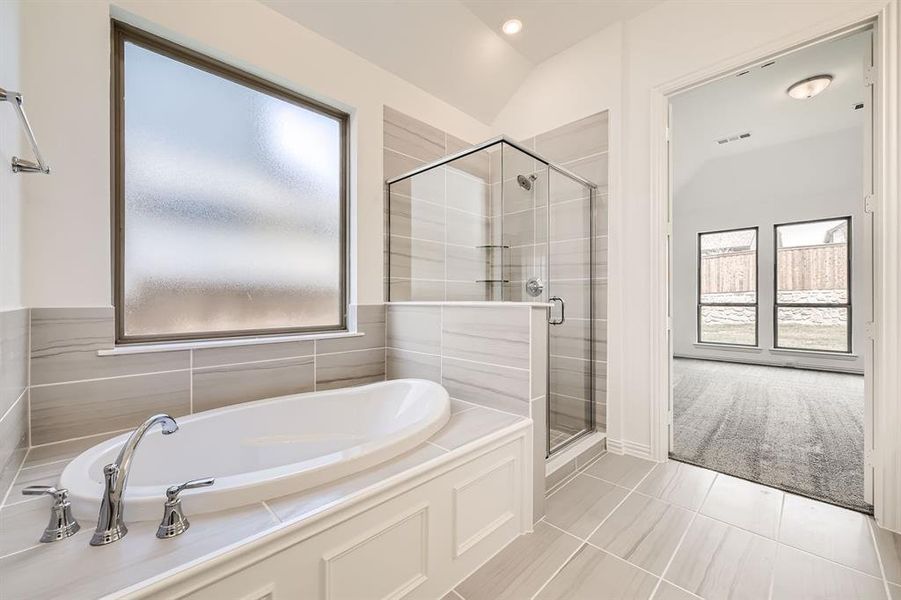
[551, 320]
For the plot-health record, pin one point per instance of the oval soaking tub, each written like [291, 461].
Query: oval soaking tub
[264, 449]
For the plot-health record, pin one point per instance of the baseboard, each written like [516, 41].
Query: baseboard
[744, 360]
[630, 448]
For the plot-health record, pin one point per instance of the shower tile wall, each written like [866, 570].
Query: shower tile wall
[75, 392]
[13, 394]
[580, 147]
[439, 219]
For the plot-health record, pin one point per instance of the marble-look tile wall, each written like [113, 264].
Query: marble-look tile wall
[77, 393]
[437, 221]
[489, 354]
[13, 394]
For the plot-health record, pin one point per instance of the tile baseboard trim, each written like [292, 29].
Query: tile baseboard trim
[573, 452]
[200, 345]
[630, 448]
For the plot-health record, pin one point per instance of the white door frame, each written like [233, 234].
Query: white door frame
[885, 441]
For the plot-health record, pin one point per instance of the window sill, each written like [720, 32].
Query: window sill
[230, 343]
[711, 346]
[816, 353]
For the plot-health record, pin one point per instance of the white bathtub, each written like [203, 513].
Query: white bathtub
[264, 449]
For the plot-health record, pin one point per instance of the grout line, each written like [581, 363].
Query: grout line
[621, 559]
[593, 531]
[28, 381]
[773, 572]
[871, 524]
[684, 533]
[778, 535]
[13, 482]
[430, 443]
[446, 234]
[47, 464]
[619, 485]
[24, 500]
[5, 556]
[817, 556]
[82, 437]
[479, 362]
[561, 484]
[581, 158]
[341, 352]
[271, 512]
[13, 405]
[191, 381]
[285, 358]
[45, 385]
[668, 582]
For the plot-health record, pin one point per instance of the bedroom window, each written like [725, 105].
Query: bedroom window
[230, 198]
[813, 285]
[727, 287]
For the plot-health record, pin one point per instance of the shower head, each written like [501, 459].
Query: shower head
[525, 182]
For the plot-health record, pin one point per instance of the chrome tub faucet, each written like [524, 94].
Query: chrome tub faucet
[110, 525]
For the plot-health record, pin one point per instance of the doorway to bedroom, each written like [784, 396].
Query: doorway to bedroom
[772, 272]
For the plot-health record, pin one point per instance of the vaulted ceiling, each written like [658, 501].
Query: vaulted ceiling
[454, 49]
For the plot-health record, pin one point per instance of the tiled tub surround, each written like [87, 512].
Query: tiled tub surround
[489, 353]
[623, 527]
[76, 393]
[473, 436]
[437, 219]
[13, 394]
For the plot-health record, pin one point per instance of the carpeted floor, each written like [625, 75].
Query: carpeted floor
[798, 430]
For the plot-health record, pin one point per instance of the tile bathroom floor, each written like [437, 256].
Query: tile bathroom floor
[623, 527]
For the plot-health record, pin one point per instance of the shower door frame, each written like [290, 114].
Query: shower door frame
[592, 198]
[592, 407]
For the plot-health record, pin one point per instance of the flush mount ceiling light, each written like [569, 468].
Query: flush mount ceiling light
[810, 87]
[512, 27]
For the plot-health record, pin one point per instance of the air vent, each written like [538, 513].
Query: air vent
[857, 105]
[742, 73]
[769, 64]
[734, 138]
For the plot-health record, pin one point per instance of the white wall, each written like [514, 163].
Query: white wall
[579, 82]
[807, 179]
[669, 42]
[66, 78]
[11, 144]
[66, 72]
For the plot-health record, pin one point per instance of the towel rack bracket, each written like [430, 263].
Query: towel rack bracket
[20, 165]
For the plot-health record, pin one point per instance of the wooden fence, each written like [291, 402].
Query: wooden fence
[808, 268]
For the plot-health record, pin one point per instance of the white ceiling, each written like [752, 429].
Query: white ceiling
[757, 102]
[454, 49]
[549, 27]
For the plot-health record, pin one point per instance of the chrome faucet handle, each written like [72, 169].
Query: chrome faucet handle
[62, 524]
[174, 520]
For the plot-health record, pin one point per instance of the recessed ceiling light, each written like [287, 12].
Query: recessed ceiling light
[512, 27]
[810, 87]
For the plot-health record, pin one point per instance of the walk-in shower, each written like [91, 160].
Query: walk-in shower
[497, 222]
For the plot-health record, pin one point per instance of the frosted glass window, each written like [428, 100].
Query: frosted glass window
[231, 202]
[727, 287]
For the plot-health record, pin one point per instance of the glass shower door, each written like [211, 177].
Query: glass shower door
[569, 253]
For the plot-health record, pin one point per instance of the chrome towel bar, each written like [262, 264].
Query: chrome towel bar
[19, 165]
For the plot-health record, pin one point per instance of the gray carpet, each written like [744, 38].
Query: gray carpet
[798, 430]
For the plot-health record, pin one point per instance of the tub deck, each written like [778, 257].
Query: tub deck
[73, 569]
